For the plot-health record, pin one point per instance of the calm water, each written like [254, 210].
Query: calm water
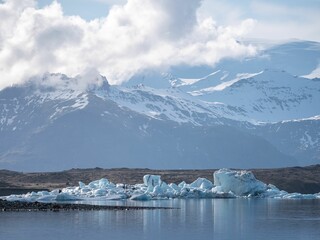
[196, 219]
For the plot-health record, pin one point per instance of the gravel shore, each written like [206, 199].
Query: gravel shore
[55, 207]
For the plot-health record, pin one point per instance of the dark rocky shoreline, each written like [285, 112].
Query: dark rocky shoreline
[16, 206]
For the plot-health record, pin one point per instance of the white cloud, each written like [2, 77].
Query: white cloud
[136, 36]
[287, 21]
[111, 2]
[275, 20]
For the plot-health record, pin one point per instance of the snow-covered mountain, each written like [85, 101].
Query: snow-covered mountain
[275, 83]
[270, 95]
[298, 138]
[259, 112]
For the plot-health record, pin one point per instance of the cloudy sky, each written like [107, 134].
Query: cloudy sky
[285, 19]
[120, 38]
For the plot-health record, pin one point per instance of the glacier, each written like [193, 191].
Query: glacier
[227, 184]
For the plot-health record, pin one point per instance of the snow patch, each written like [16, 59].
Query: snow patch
[314, 74]
[191, 81]
[224, 85]
[306, 141]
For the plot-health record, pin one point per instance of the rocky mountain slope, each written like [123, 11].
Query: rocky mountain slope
[239, 114]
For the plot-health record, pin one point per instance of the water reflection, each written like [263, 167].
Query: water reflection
[195, 219]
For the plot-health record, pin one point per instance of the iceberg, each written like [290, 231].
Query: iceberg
[202, 183]
[226, 184]
[241, 183]
[141, 197]
[152, 180]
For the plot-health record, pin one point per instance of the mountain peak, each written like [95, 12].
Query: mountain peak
[88, 81]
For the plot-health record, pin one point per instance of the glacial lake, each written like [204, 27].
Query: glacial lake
[195, 219]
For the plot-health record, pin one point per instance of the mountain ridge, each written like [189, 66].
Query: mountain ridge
[276, 123]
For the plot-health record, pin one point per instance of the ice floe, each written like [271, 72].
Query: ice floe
[241, 183]
[227, 184]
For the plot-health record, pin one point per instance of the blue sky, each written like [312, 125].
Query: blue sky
[88, 9]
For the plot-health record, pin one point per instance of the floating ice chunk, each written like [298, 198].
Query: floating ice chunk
[85, 190]
[55, 191]
[94, 184]
[13, 197]
[99, 192]
[48, 198]
[81, 185]
[241, 183]
[299, 196]
[103, 183]
[272, 192]
[182, 184]
[141, 197]
[217, 194]
[156, 187]
[158, 191]
[43, 193]
[32, 194]
[174, 187]
[66, 197]
[202, 183]
[111, 185]
[151, 180]
[116, 197]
